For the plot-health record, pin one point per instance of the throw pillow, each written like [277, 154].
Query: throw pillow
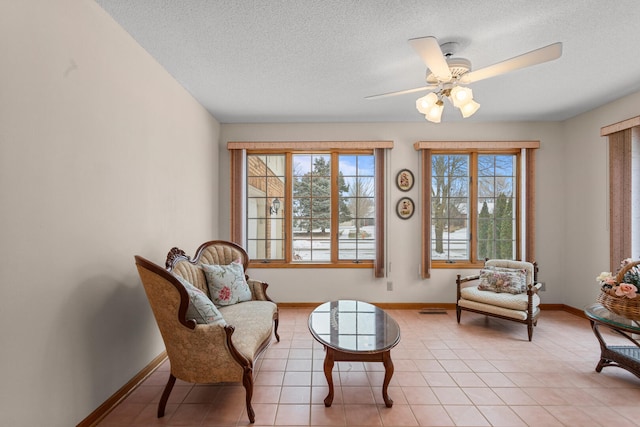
[227, 283]
[200, 309]
[508, 280]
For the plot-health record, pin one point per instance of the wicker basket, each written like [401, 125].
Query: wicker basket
[621, 305]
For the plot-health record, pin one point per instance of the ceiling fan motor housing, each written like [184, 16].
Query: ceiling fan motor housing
[457, 66]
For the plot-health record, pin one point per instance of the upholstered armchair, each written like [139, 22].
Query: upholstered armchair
[223, 347]
[504, 289]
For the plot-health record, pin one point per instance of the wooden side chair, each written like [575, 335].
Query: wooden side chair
[504, 289]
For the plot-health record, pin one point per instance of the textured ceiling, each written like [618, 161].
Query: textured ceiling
[255, 61]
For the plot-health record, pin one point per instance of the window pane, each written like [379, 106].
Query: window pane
[252, 246]
[486, 187]
[311, 206]
[366, 165]
[321, 208]
[302, 164]
[455, 241]
[265, 204]
[321, 249]
[496, 207]
[275, 187]
[276, 164]
[257, 165]
[301, 247]
[450, 207]
[450, 165]
[356, 205]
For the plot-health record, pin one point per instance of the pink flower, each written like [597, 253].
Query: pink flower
[626, 262]
[627, 290]
[225, 294]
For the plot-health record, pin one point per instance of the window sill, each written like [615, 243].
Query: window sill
[457, 265]
[277, 264]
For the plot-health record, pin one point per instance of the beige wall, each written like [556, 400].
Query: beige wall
[103, 155]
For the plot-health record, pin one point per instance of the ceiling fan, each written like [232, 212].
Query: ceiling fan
[446, 74]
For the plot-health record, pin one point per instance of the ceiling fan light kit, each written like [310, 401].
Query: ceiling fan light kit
[431, 105]
[444, 75]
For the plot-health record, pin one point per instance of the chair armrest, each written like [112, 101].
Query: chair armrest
[469, 278]
[210, 334]
[207, 354]
[258, 290]
[535, 288]
[204, 339]
[460, 280]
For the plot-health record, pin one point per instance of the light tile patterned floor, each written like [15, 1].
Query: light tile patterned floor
[482, 372]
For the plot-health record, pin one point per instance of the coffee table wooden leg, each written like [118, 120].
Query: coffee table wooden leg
[388, 373]
[328, 372]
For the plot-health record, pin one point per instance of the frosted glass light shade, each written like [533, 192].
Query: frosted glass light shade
[461, 95]
[469, 108]
[435, 112]
[426, 102]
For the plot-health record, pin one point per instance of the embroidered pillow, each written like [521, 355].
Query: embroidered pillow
[200, 309]
[227, 284]
[508, 280]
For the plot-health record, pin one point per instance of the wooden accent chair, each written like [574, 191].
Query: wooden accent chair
[207, 353]
[522, 307]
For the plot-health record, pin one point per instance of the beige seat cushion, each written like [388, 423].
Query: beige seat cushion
[253, 321]
[504, 300]
[513, 314]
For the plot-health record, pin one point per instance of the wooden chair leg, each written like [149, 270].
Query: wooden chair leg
[275, 328]
[458, 312]
[165, 395]
[247, 381]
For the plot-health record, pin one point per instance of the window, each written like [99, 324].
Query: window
[477, 202]
[309, 204]
[473, 214]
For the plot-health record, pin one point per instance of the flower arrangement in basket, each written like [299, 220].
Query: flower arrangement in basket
[619, 292]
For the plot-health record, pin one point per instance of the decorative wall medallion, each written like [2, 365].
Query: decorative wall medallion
[405, 208]
[404, 180]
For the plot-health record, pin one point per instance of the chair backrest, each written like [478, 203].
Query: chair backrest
[531, 268]
[220, 252]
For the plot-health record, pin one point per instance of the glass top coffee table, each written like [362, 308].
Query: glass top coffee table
[622, 356]
[354, 331]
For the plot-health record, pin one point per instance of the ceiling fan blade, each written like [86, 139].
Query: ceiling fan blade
[538, 56]
[401, 92]
[430, 52]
